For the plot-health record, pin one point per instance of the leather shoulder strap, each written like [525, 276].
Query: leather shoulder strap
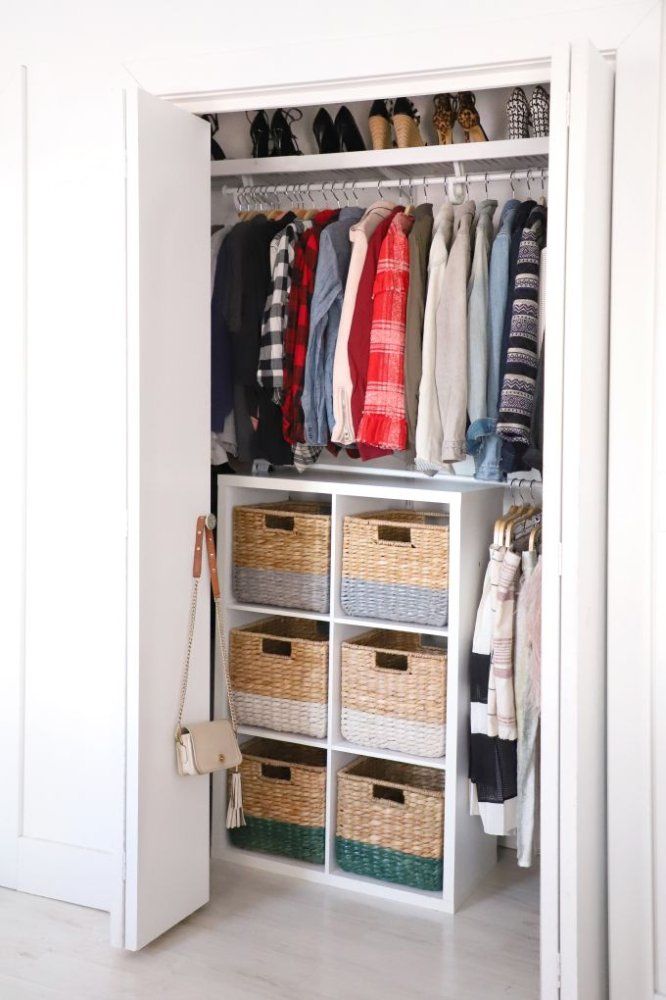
[205, 525]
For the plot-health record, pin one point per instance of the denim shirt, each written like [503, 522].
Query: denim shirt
[325, 310]
[482, 442]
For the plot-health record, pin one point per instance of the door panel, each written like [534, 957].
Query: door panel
[167, 820]
[583, 892]
[12, 495]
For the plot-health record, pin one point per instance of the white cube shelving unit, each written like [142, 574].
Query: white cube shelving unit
[472, 508]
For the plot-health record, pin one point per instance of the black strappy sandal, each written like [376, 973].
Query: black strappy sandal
[216, 151]
[260, 134]
[284, 140]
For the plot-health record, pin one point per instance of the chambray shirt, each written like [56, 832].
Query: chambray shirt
[325, 311]
[482, 441]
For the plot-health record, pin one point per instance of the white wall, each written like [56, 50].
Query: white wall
[79, 57]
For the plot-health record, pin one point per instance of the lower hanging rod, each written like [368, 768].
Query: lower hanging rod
[406, 183]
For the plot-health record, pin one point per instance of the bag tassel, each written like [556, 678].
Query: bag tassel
[235, 814]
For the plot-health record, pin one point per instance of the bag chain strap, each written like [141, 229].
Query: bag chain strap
[205, 524]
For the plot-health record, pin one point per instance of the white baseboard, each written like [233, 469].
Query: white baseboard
[61, 871]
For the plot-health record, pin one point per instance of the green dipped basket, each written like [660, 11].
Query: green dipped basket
[390, 822]
[284, 799]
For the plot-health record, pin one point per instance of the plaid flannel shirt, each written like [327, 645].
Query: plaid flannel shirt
[298, 326]
[270, 372]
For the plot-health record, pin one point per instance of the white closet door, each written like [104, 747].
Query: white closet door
[12, 495]
[575, 503]
[167, 820]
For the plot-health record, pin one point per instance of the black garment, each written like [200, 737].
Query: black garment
[268, 442]
[493, 764]
[512, 453]
[220, 340]
[533, 457]
[242, 283]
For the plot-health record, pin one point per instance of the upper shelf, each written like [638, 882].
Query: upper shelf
[471, 157]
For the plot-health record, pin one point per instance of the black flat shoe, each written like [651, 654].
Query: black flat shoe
[216, 151]
[350, 138]
[284, 140]
[325, 133]
[260, 133]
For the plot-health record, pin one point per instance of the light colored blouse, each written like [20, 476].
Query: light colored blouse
[428, 423]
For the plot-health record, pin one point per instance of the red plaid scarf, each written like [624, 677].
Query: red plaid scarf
[384, 420]
[298, 326]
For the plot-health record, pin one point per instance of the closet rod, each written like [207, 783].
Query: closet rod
[454, 180]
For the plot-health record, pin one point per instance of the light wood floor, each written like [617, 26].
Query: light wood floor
[267, 937]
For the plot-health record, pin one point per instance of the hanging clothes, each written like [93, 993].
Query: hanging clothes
[325, 312]
[223, 442]
[428, 422]
[419, 249]
[501, 702]
[527, 680]
[383, 422]
[359, 335]
[451, 351]
[492, 762]
[270, 371]
[522, 355]
[359, 235]
[482, 441]
[298, 326]
[477, 313]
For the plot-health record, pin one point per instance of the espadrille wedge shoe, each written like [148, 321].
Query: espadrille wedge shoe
[406, 124]
[379, 121]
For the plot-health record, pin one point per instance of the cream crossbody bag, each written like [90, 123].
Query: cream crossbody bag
[204, 747]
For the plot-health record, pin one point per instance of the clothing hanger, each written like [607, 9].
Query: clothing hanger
[309, 213]
[535, 538]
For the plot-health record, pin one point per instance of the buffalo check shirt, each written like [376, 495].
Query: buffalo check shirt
[270, 372]
[298, 326]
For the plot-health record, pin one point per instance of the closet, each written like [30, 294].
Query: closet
[169, 223]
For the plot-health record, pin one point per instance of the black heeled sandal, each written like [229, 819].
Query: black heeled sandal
[351, 140]
[284, 140]
[260, 134]
[216, 151]
[325, 133]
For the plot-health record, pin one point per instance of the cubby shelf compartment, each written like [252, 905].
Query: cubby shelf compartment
[344, 746]
[368, 623]
[463, 157]
[472, 509]
[274, 734]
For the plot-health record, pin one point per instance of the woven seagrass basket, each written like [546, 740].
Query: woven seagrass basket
[282, 555]
[394, 693]
[279, 675]
[284, 798]
[395, 565]
[390, 822]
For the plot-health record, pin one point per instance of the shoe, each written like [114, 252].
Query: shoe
[379, 121]
[325, 133]
[444, 117]
[517, 115]
[406, 122]
[284, 140]
[260, 134]
[351, 140]
[469, 119]
[540, 112]
[216, 151]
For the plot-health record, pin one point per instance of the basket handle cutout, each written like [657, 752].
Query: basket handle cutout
[390, 794]
[394, 534]
[275, 772]
[391, 661]
[276, 647]
[279, 523]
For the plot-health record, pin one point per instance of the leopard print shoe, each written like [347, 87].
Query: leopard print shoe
[443, 118]
[469, 119]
